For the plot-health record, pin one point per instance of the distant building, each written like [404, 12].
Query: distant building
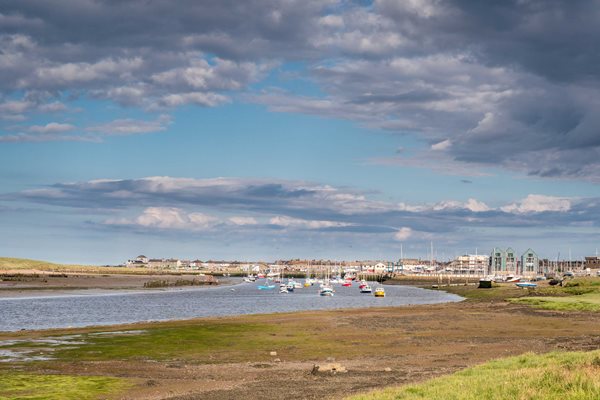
[502, 262]
[155, 263]
[530, 263]
[139, 261]
[592, 262]
[469, 264]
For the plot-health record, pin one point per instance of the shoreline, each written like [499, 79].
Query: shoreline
[16, 284]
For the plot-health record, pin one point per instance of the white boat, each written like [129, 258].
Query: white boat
[296, 285]
[326, 291]
[366, 289]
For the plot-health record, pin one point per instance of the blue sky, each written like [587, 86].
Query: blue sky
[317, 129]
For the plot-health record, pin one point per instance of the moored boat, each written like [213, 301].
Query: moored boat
[326, 291]
[366, 289]
[266, 286]
[379, 292]
[526, 284]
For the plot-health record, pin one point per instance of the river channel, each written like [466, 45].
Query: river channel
[108, 308]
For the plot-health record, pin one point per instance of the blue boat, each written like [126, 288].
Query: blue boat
[526, 284]
[266, 286]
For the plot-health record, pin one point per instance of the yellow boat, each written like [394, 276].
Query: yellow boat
[379, 292]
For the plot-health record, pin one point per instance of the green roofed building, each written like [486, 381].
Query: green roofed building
[530, 262]
[503, 262]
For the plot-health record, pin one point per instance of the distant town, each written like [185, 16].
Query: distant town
[503, 262]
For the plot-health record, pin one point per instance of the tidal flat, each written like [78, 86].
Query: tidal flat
[262, 356]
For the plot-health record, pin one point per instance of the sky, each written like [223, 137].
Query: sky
[264, 130]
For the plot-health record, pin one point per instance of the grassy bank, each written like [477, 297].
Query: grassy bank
[554, 376]
[19, 386]
[16, 264]
[583, 302]
[582, 294]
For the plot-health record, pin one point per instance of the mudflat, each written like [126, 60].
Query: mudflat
[273, 356]
[16, 283]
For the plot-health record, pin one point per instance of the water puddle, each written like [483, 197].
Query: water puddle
[42, 349]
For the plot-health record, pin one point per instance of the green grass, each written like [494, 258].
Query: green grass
[496, 293]
[248, 338]
[19, 386]
[553, 376]
[202, 341]
[583, 302]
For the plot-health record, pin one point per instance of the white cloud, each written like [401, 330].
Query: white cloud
[403, 234]
[471, 205]
[129, 126]
[476, 205]
[535, 203]
[242, 221]
[205, 99]
[52, 127]
[169, 218]
[70, 73]
[303, 223]
[443, 145]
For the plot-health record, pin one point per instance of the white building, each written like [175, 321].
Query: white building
[470, 264]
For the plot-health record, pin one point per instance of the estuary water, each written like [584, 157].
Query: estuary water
[87, 309]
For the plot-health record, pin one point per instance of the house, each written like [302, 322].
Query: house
[155, 263]
[530, 263]
[503, 262]
[139, 261]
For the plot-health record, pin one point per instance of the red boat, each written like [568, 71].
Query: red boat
[347, 283]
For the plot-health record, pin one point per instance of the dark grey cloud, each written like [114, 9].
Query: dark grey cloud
[512, 84]
[509, 84]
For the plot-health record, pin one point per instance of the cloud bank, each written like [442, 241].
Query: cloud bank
[512, 84]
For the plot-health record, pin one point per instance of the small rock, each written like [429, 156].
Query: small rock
[273, 353]
[329, 369]
[388, 369]
[277, 360]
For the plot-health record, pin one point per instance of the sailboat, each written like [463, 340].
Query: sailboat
[326, 289]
